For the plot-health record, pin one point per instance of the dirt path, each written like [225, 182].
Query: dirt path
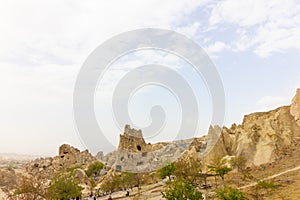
[150, 192]
[271, 177]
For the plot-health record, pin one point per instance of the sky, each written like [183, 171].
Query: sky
[254, 45]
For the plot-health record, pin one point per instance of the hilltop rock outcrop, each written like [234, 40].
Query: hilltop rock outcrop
[68, 157]
[135, 155]
[133, 141]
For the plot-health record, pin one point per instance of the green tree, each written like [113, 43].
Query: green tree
[128, 179]
[180, 189]
[189, 169]
[112, 183]
[166, 171]
[64, 186]
[263, 187]
[240, 164]
[220, 170]
[94, 168]
[229, 193]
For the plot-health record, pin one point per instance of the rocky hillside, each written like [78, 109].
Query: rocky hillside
[261, 138]
[68, 157]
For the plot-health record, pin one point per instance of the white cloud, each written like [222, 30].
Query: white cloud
[264, 26]
[216, 48]
[35, 36]
[272, 102]
[189, 30]
[43, 44]
[68, 30]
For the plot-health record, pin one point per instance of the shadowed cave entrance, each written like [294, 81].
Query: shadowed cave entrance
[139, 147]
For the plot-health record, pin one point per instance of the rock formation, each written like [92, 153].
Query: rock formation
[262, 137]
[295, 107]
[133, 141]
[135, 155]
[68, 157]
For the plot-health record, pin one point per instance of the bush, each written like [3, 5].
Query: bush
[230, 194]
[166, 171]
[128, 179]
[94, 168]
[180, 189]
[188, 169]
[64, 187]
[27, 187]
[112, 183]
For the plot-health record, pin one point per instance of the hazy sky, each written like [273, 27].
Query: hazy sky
[255, 46]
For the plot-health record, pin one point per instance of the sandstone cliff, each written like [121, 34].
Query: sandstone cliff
[260, 139]
[262, 136]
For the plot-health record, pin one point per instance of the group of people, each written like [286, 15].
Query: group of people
[127, 195]
[93, 197]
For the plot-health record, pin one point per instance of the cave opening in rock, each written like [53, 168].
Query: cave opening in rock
[139, 147]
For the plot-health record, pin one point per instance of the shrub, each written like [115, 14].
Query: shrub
[180, 189]
[166, 171]
[94, 168]
[230, 194]
[64, 187]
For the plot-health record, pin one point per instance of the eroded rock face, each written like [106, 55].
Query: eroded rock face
[262, 136]
[295, 107]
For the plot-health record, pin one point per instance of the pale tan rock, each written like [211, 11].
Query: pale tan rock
[262, 136]
[133, 141]
[83, 178]
[295, 107]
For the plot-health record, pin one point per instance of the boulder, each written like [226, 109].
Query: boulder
[83, 178]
